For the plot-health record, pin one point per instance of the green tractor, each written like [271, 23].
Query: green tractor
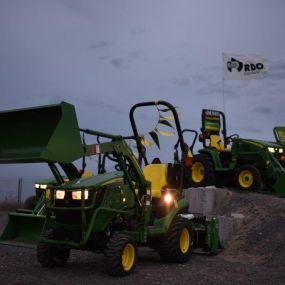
[249, 164]
[112, 212]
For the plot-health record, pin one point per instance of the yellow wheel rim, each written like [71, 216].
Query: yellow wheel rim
[128, 256]
[198, 172]
[245, 179]
[185, 240]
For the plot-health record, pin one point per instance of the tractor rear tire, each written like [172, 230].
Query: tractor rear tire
[177, 245]
[51, 255]
[249, 178]
[202, 172]
[120, 255]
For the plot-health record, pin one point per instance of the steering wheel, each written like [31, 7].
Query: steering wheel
[231, 137]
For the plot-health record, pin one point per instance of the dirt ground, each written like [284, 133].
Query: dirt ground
[255, 254]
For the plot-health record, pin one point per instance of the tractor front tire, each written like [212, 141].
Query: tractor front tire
[120, 255]
[51, 255]
[177, 245]
[202, 171]
[249, 178]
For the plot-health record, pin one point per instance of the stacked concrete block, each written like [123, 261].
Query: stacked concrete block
[204, 201]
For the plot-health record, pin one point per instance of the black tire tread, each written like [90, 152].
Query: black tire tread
[210, 173]
[50, 255]
[113, 255]
[169, 248]
[257, 179]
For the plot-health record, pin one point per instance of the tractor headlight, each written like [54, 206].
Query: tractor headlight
[59, 194]
[41, 186]
[76, 195]
[271, 149]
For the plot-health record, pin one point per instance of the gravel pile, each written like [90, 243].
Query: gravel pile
[254, 255]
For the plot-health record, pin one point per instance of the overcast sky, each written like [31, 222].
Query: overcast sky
[103, 56]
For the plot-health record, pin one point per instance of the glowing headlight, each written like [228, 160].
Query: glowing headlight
[76, 195]
[281, 150]
[271, 149]
[41, 186]
[168, 198]
[59, 194]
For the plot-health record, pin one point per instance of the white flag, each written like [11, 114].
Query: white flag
[240, 67]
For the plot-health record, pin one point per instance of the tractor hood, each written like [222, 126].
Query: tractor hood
[95, 181]
[261, 143]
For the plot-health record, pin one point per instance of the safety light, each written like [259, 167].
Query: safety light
[59, 194]
[271, 149]
[282, 157]
[168, 198]
[76, 195]
[41, 186]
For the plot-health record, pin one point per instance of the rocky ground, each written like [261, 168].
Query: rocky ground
[255, 254]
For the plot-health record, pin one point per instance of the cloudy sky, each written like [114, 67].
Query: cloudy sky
[103, 56]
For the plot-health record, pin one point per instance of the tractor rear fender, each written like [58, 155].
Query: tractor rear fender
[162, 225]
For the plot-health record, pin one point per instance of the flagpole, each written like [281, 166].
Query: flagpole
[223, 94]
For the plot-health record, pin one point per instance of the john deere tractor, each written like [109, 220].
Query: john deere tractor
[112, 212]
[254, 165]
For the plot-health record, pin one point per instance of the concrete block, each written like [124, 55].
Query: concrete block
[204, 200]
[229, 226]
[220, 195]
[225, 229]
[195, 199]
[208, 201]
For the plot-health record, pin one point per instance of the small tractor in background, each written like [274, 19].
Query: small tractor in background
[113, 212]
[254, 165]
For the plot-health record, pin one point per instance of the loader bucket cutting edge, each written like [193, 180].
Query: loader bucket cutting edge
[22, 230]
[40, 134]
[279, 186]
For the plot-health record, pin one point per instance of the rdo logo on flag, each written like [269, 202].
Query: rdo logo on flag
[240, 67]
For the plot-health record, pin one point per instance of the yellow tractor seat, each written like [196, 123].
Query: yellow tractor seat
[156, 174]
[216, 142]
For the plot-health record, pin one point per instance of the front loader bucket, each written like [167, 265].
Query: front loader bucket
[40, 134]
[279, 186]
[22, 229]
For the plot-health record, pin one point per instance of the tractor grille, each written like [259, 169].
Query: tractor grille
[69, 211]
